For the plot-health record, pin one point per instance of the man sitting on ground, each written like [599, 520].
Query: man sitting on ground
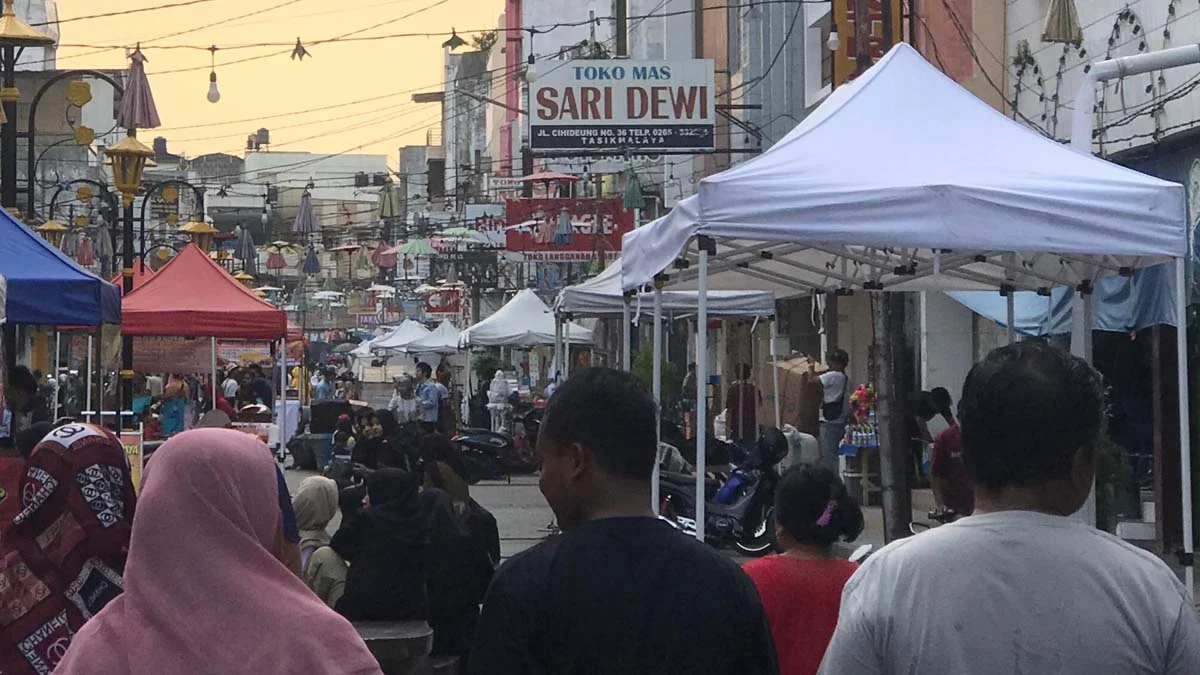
[1022, 586]
[619, 591]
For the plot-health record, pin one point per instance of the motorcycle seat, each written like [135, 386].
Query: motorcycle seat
[685, 479]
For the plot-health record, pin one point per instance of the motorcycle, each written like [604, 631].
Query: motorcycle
[491, 454]
[739, 509]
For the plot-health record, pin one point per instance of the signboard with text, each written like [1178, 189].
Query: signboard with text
[565, 230]
[176, 355]
[617, 105]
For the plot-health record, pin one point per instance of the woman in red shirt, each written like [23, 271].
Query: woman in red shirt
[801, 588]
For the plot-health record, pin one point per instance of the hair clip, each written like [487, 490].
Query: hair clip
[826, 515]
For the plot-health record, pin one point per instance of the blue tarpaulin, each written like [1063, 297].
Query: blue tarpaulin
[1120, 304]
[45, 287]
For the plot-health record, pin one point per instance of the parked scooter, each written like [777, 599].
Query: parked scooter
[740, 508]
[493, 454]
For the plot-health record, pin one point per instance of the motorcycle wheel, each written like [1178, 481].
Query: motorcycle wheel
[479, 469]
[761, 539]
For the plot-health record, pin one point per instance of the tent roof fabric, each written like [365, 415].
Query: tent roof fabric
[402, 337]
[525, 321]
[45, 287]
[443, 340]
[141, 274]
[947, 174]
[192, 296]
[602, 296]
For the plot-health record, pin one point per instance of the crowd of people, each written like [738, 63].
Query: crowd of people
[215, 568]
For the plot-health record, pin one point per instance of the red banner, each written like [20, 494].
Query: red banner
[562, 230]
[443, 304]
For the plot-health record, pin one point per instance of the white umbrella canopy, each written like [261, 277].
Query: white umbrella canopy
[443, 340]
[525, 321]
[402, 337]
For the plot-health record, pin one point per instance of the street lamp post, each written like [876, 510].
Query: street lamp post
[14, 34]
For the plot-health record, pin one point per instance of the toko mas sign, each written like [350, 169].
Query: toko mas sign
[620, 104]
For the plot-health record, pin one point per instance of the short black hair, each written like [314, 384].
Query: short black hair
[814, 507]
[941, 400]
[838, 356]
[424, 368]
[609, 412]
[1026, 409]
[923, 405]
[22, 379]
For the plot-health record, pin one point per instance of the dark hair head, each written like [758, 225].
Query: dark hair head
[1026, 409]
[609, 412]
[385, 486]
[923, 405]
[350, 501]
[837, 357]
[425, 369]
[942, 402]
[814, 508]
[743, 371]
[22, 379]
[387, 421]
[436, 447]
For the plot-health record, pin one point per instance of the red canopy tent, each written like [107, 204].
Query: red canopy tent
[141, 274]
[192, 296]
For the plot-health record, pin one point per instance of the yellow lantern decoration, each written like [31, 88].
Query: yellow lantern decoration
[201, 233]
[52, 231]
[128, 159]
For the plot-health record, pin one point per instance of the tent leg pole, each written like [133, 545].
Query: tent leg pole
[1081, 346]
[626, 336]
[557, 358]
[701, 384]
[1011, 299]
[1185, 435]
[100, 372]
[566, 365]
[57, 353]
[657, 360]
[281, 416]
[213, 344]
[90, 351]
[775, 371]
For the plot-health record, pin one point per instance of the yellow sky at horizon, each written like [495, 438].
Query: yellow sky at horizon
[261, 91]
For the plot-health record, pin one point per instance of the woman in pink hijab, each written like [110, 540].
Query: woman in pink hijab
[205, 591]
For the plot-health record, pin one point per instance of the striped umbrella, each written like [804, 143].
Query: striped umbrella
[306, 220]
[137, 105]
[312, 262]
[382, 257]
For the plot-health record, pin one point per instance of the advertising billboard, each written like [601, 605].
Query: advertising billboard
[619, 105]
[565, 230]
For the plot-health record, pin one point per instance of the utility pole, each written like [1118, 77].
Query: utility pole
[622, 27]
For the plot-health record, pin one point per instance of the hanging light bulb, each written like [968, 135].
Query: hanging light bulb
[214, 94]
[531, 73]
[834, 42]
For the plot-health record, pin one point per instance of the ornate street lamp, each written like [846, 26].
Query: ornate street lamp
[128, 158]
[200, 232]
[14, 34]
[52, 231]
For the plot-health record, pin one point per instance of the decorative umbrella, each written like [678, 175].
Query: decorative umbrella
[137, 104]
[382, 257]
[415, 247]
[464, 234]
[70, 242]
[276, 261]
[1062, 23]
[363, 258]
[564, 230]
[330, 285]
[269, 289]
[312, 262]
[306, 220]
[633, 197]
[103, 243]
[245, 250]
[327, 295]
[84, 255]
[389, 202]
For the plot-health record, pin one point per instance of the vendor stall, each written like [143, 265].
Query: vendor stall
[955, 197]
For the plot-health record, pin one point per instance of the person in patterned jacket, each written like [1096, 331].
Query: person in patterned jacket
[63, 557]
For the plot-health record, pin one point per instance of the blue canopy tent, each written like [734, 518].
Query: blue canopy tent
[45, 287]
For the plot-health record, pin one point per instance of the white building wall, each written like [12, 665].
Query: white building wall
[43, 15]
[947, 343]
[1044, 78]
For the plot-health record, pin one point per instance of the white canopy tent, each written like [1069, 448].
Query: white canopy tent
[947, 195]
[523, 322]
[443, 340]
[400, 339]
[602, 295]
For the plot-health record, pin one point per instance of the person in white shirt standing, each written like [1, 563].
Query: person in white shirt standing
[835, 398]
[1022, 586]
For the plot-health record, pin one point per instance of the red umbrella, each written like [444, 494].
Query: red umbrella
[84, 255]
[275, 261]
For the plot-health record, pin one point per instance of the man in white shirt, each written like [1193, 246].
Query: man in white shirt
[229, 388]
[835, 400]
[1021, 587]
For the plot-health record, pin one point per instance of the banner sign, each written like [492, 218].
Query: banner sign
[443, 304]
[623, 104]
[243, 352]
[175, 355]
[566, 230]
[132, 442]
[488, 219]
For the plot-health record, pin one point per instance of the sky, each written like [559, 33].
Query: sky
[336, 75]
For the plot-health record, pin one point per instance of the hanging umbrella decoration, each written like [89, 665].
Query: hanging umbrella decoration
[382, 257]
[104, 248]
[305, 225]
[137, 104]
[349, 250]
[312, 262]
[1062, 23]
[246, 251]
[84, 254]
[564, 229]
[364, 263]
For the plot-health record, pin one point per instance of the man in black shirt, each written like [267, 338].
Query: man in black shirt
[619, 592]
